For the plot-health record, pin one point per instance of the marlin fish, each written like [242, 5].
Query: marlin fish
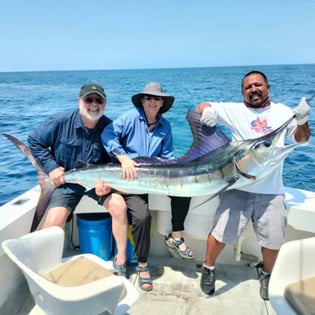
[212, 164]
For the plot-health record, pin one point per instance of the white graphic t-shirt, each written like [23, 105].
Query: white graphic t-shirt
[249, 123]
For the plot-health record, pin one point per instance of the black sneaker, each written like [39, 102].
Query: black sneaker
[207, 281]
[264, 283]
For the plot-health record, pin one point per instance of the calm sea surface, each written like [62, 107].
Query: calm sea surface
[27, 98]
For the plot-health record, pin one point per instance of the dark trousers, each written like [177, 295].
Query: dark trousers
[141, 220]
[180, 207]
[141, 224]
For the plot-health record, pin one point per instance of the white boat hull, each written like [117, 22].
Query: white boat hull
[16, 217]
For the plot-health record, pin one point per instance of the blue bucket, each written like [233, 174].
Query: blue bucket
[95, 234]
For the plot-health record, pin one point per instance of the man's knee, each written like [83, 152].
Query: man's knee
[56, 217]
[115, 204]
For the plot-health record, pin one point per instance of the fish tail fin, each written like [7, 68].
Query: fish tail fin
[46, 190]
[45, 184]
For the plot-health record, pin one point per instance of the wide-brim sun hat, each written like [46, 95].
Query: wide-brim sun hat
[154, 89]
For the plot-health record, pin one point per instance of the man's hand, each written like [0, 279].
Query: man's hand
[57, 176]
[102, 188]
[209, 117]
[301, 112]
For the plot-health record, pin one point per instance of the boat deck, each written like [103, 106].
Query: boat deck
[177, 292]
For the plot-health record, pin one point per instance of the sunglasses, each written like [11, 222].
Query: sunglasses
[91, 100]
[149, 98]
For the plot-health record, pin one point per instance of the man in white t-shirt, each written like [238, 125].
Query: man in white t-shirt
[261, 202]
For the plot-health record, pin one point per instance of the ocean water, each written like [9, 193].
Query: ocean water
[28, 98]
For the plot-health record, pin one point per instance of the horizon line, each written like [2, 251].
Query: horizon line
[162, 68]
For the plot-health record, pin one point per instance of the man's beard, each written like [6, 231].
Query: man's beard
[93, 116]
[261, 104]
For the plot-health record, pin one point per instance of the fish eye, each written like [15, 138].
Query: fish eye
[265, 143]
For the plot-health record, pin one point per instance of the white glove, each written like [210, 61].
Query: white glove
[301, 112]
[209, 117]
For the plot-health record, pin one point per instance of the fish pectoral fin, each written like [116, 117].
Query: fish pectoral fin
[230, 182]
[246, 175]
[205, 201]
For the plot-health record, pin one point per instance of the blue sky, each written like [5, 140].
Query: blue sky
[135, 34]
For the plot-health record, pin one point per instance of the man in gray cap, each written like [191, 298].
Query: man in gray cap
[61, 143]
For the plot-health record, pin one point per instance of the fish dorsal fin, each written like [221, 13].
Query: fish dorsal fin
[205, 139]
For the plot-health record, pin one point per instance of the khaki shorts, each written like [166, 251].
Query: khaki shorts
[267, 213]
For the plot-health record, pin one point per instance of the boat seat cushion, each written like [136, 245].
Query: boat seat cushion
[76, 272]
[301, 296]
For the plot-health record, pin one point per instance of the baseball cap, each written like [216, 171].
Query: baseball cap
[90, 88]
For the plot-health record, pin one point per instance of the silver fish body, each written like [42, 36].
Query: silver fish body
[213, 164]
[223, 166]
